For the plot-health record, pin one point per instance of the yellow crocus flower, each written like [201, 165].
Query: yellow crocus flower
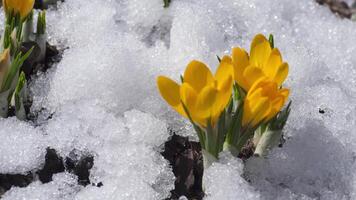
[23, 7]
[4, 64]
[263, 101]
[262, 62]
[205, 96]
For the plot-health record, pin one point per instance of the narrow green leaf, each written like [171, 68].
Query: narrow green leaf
[219, 59]
[20, 97]
[181, 79]
[211, 139]
[41, 23]
[271, 40]
[14, 69]
[233, 132]
[221, 132]
[166, 3]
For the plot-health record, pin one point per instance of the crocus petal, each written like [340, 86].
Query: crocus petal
[240, 61]
[270, 89]
[281, 74]
[26, 7]
[223, 96]
[260, 50]
[188, 97]
[274, 61]
[197, 75]
[224, 71]
[23, 7]
[252, 74]
[261, 111]
[277, 105]
[252, 97]
[205, 102]
[255, 110]
[169, 90]
[284, 92]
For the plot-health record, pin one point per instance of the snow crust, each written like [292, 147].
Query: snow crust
[104, 102]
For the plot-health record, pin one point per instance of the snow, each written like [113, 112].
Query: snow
[63, 187]
[226, 174]
[104, 100]
[22, 147]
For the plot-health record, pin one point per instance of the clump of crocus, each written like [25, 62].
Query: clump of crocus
[259, 78]
[264, 61]
[19, 42]
[202, 97]
[226, 118]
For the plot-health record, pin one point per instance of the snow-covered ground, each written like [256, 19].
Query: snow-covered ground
[105, 101]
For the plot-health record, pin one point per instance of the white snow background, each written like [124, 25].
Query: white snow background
[105, 102]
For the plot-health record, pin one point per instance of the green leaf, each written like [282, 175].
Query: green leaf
[221, 132]
[166, 3]
[245, 136]
[219, 59]
[233, 132]
[268, 140]
[4, 103]
[41, 23]
[27, 30]
[278, 122]
[14, 69]
[181, 79]
[271, 40]
[21, 97]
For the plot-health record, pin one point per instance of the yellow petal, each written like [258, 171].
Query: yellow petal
[224, 71]
[205, 102]
[223, 97]
[198, 75]
[247, 113]
[252, 74]
[284, 92]
[277, 105]
[281, 74]
[260, 50]
[270, 89]
[26, 7]
[240, 61]
[23, 7]
[255, 111]
[274, 61]
[254, 94]
[260, 111]
[188, 97]
[169, 90]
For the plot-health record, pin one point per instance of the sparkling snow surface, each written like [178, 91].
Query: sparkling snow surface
[105, 103]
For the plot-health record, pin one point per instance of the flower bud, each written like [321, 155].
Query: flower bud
[23, 7]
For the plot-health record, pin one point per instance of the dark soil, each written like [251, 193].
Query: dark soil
[53, 165]
[186, 160]
[39, 4]
[339, 7]
[78, 165]
[31, 67]
[187, 163]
